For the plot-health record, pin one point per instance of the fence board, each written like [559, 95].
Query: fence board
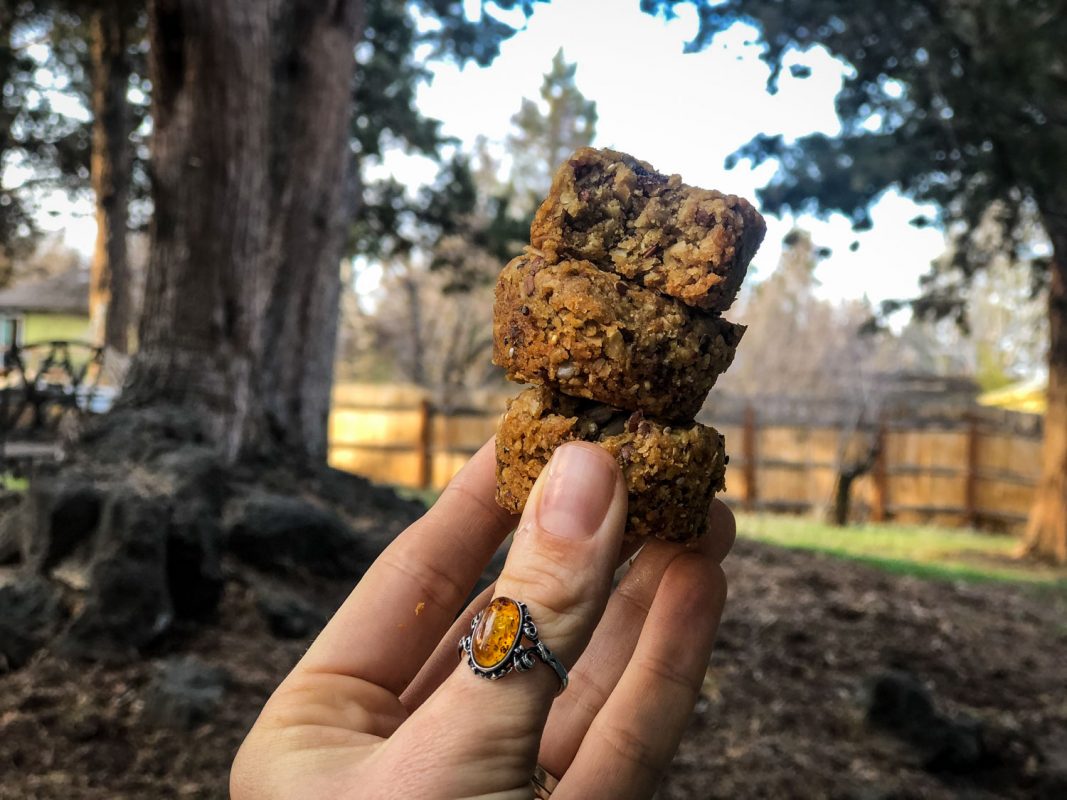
[1012, 454]
[462, 432]
[922, 448]
[445, 467]
[353, 426]
[383, 466]
[995, 496]
[924, 474]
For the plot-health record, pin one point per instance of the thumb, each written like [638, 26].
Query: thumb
[560, 566]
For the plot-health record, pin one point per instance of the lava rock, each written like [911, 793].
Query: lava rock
[14, 519]
[194, 544]
[184, 693]
[64, 513]
[30, 612]
[288, 615]
[901, 705]
[278, 533]
[195, 577]
[128, 603]
[898, 702]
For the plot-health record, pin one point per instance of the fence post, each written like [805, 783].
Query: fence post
[880, 478]
[970, 477]
[425, 444]
[748, 451]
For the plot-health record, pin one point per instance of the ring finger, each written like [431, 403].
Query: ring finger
[560, 565]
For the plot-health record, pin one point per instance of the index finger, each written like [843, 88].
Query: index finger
[398, 612]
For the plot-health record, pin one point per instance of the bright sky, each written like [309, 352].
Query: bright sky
[685, 114]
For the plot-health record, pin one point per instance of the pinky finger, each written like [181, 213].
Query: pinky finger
[633, 738]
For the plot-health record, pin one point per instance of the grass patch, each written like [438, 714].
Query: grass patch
[13, 483]
[924, 551]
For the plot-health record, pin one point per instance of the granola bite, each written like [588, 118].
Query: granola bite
[609, 208]
[590, 334]
[671, 472]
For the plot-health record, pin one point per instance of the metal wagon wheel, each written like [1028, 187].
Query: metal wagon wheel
[51, 388]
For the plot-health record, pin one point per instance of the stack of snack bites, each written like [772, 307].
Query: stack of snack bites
[614, 314]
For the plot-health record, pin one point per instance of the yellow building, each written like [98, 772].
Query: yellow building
[1029, 396]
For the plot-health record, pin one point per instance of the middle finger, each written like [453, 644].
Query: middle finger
[602, 664]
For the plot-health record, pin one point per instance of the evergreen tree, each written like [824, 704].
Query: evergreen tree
[47, 149]
[963, 105]
[546, 131]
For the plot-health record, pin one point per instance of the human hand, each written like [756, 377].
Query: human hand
[380, 706]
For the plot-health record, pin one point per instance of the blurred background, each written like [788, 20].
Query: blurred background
[247, 256]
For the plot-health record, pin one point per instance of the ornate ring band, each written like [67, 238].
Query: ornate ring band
[494, 646]
[543, 783]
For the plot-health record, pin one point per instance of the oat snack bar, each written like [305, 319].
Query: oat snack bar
[614, 313]
[671, 471]
[590, 334]
[619, 213]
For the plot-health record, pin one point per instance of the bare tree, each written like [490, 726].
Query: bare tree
[548, 129]
[434, 337]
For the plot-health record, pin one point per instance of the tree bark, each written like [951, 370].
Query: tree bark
[314, 65]
[418, 351]
[251, 107]
[109, 289]
[1046, 532]
[846, 477]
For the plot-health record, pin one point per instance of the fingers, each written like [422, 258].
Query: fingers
[409, 597]
[560, 565]
[722, 531]
[633, 738]
[563, 556]
[598, 670]
[443, 660]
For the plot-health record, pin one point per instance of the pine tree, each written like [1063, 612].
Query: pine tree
[961, 105]
[548, 130]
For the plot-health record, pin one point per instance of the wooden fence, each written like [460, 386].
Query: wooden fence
[971, 470]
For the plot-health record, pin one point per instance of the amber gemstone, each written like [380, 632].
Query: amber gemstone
[496, 633]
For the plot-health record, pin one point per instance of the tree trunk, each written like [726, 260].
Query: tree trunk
[237, 335]
[313, 196]
[209, 256]
[846, 477]
[251, 106]
[418, 351]
[1046, 532]
[109, 289]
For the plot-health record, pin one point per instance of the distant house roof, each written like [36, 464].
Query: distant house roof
[67, 293]
[1030, 396]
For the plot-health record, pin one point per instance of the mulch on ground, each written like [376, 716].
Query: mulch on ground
[784, 711]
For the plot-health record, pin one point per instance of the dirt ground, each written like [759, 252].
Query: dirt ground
[783, 713]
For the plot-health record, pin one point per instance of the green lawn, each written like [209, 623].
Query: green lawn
[921, 550]
[924, 551]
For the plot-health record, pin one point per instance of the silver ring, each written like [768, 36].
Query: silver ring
[543, 783]
[495, 648]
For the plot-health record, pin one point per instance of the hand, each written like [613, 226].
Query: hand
[381, 706]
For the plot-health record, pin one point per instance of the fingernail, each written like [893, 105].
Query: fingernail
[578, 491]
